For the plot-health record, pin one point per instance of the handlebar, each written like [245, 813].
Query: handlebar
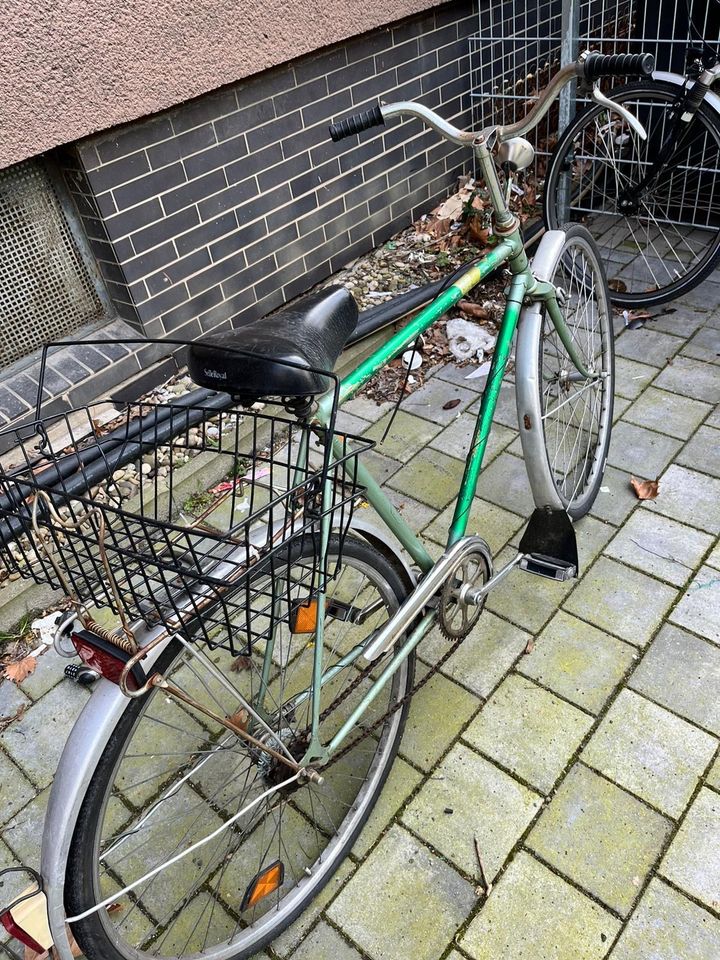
[589, 67]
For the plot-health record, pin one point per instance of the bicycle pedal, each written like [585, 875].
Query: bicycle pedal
[548, 545]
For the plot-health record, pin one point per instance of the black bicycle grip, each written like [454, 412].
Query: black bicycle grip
[618, 65]
[356, 124]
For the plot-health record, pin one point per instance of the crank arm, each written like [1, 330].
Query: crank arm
[629, 117]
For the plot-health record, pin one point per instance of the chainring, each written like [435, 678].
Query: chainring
[455, 617]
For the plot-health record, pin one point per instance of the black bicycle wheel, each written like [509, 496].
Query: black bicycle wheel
[170, 777]
[657, 226]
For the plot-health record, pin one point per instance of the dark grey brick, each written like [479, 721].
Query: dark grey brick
[368, 45]
[283, 171]
[237, 240]
[246, 278]
[272, 243]
[301, 96]
[182, 146]
[282, 129]
[356, 249]
[165, 229]
[254, 163]
[194, 191]
[128, 313]
[374, 87]
[132, 138]
[105, 205]
[163, 302]
[90, 357]
[265, 85]
[434, 39]
[134, 219]
[179, 270]
[401, 53]
[277, 217]
[207, 232]
[149, 186]
[228, 199]
[268, 201]
[216, 157]
[148, 263]
[321, 216]
[314, 178]
[246, 119]
[340, 186]
[415, 68]
[202, 110]
[12, 406]
[322, 111]
[215, 274]
[319, 65]
[119, 171]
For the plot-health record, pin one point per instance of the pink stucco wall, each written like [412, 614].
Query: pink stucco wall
[73, 67]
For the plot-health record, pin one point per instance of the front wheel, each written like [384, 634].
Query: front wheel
[172, 782]
[565, 419]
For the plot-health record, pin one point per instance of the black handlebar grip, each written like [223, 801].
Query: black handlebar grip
[618, 65]
[356, 124]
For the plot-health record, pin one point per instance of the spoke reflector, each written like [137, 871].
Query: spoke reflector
[305, 618]
[263, 883]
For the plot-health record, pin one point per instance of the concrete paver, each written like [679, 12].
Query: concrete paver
[650, 752]
[699, 606]
[690, 497]
[693, 858]
[601, 837]
[660, 546]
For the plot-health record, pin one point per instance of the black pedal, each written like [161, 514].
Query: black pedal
[549, 546]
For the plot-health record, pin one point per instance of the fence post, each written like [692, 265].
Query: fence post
[569, 43]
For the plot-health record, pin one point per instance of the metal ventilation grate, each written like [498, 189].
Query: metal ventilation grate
[45, 288]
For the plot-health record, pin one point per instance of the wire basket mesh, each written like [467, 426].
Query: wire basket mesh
[115, 518]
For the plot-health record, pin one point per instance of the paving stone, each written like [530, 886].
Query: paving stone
[484, 656]
[524, 599]
[455, 439]
[647, 346]
[622, 601]
[48, 673]
[682, 672]
[668, 926]
[699, 607]
[468, 797]
[714, 559]
[494, 524]
[431, 477]
[600, 837]
[705, 345]
[714, 419]
[690, 378]
[367, 409]
[650, 752]
[532, 914]
[401, 782]
[347, 423]
[505, 482]
[506, 408]
[659, 546]
[631, 377]
[406, 436]
[15, 789]
[403, 901]
[690, 497]
[417, 515]
[577, 661]
[693, 858]
[430, 401]
[24, 832]
[615, 498]
[36, 740]
[668, 413]
[620, 405]
[458, 375]
[641, 452]
[438, 712]
[12, 699]
[702, 452]
[684, 320]
[713, 777]
[325, 943]
[528, 731]
[295, 933]
[380, 466]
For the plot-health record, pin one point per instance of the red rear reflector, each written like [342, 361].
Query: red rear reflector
[264, 883]
[107, 659]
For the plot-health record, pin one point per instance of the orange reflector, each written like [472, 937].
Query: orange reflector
[264, 883]
[305, 618]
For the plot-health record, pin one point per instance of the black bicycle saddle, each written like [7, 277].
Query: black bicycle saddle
[311, 334]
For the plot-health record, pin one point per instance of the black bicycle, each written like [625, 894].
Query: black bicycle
[653, 204]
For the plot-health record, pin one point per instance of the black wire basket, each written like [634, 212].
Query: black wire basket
[115, 516]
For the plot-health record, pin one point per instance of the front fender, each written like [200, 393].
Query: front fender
[710, 98]
[83, 749]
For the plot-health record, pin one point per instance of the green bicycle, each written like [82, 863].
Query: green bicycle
[205, 802]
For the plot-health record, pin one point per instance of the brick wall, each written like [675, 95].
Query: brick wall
[227, 206]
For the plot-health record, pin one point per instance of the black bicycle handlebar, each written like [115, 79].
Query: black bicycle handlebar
[597, 65]
[356, 124]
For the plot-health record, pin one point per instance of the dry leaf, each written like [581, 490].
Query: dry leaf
[479, 234]
[530, 645]
[645, 489]
[18, 671]
[451, 404]
[473, 309]
[619, 286]
[241, 663]
[239, 719]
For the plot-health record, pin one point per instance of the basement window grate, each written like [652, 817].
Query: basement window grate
[46, 292]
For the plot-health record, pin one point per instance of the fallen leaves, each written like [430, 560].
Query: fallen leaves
[18, 671]
[239, 719]
[484, 887]
[530, 645]
[451, 404]
[474, 310]
[241, 663]
[645, 489]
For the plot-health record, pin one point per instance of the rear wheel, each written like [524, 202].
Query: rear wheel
[170, 777]
[658, 232]
[565, 419]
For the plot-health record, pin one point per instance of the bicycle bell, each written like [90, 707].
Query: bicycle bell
[517, 153]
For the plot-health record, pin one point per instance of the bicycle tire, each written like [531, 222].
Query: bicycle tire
[565, 450]
[101, 935]
[667, 241]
